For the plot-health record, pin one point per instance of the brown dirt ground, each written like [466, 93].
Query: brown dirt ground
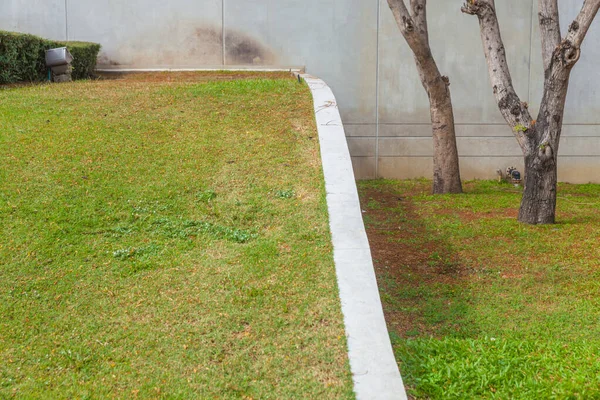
[191, 76]
[402, 251]
[187, 76]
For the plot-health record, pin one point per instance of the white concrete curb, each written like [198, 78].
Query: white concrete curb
[374, 369]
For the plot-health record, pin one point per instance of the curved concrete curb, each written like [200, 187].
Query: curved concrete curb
[374, 369]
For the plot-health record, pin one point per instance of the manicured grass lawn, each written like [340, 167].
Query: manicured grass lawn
[166, 238]
[481, 306]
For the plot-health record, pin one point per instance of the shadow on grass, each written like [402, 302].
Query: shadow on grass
[421, 277]
[479, 305]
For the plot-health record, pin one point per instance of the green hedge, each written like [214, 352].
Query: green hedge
[85, 55]
[22, 57]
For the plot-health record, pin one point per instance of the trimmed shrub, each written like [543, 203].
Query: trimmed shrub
[22, 57]
[85, 56]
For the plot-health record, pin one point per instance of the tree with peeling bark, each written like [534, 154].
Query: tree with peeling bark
[413, 26]
[537, 138]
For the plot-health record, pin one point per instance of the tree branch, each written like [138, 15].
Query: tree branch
[434, 83]
[549, 29]
[407, 27]
[512, 109]
[419, 15]
[556, 78]
[401, 14]
[579, 27]
[410, 27]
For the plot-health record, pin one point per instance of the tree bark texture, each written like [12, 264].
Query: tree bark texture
[413, 26]
[538, 204]
[538, 139]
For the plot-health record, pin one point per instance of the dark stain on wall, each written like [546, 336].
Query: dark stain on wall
[103, 60]
[207, 36]
[204, 44]
[242, 49]
[189, 44]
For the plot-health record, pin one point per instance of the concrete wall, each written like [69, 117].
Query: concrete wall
[355, 46]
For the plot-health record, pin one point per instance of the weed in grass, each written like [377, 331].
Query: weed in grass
[206, 196]
[136, 252]
[285, 194]
[373, 205]
[122, 231]
[219, 231]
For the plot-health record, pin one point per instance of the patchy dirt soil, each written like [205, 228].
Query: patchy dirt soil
[462, 281]
[192, 76]
[175, 77]
[410, 261]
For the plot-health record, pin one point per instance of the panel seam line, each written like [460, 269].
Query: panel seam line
[223, 32]
[67, 20]
[530, 52]
[377, 91]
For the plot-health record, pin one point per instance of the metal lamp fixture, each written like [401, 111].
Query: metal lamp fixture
[59, 61]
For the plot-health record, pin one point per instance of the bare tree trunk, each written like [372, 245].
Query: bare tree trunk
[413, 26]
[539, 139]
[446, 173]
[538, 204]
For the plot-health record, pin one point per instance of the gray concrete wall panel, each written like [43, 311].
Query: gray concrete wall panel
[488, 147]
[485, 167]
[142, 33]
[395, 130]
[357, 48]
[362, 147]
[39, 17]
[364, 130]
[337, 42]
[405, 167]
[578, 169]
[364, 167]
[405, 147]
[585, 146]
[467, 147]
[580, 130]
[424, 130]
[456, 46]
[583, 99]
[470, 167]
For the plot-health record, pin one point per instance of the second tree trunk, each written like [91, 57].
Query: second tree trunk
[538, 204]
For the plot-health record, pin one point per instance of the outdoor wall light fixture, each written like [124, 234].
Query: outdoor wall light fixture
[59, 61]
[512, 176]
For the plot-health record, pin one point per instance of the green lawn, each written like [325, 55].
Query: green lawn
[166, 238]
[480, 306]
